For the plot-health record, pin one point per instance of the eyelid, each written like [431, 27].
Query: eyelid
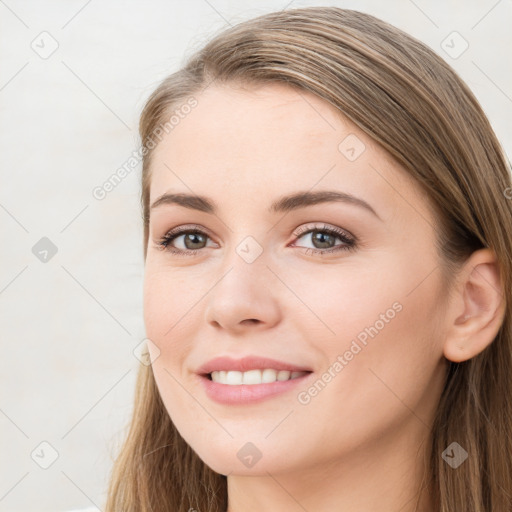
[323, 226]
[301, 230]
[185, 228]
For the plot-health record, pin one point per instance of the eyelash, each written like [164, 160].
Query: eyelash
[349, 242]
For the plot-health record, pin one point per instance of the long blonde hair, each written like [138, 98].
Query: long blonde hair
[414, 105]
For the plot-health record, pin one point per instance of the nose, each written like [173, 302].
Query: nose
[244, 297]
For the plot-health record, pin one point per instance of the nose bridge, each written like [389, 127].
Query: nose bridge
[243, 290]
[245, 269]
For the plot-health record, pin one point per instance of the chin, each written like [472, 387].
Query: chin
[244, 458]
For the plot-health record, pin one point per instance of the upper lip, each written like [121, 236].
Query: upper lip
[247, 363]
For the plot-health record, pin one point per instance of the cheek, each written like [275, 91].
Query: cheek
[168, 319]
[164, 306]
[169, 304]
[336, 303]
[383, 362]
[383, 325]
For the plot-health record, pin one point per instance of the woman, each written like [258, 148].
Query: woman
[327, 280]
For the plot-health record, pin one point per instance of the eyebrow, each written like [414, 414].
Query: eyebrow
[283, 204]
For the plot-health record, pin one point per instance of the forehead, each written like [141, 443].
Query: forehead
[250, 142]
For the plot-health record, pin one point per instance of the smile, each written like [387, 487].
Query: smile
[229, 388]
[252, 377]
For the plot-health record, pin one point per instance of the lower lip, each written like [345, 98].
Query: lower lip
[247, 393]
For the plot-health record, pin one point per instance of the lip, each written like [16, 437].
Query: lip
[248, 393]
[248, 363]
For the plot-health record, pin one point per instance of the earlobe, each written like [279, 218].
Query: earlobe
[477, 308]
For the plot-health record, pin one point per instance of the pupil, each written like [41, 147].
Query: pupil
[193, 237]
[320, 237]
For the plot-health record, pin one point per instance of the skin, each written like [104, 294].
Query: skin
[360, 443]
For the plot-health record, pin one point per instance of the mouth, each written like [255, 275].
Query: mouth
[253, 377]
[236, 388]
[249, 379]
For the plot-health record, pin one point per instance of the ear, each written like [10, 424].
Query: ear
[477, 307]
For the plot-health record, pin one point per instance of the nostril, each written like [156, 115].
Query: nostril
[251, 320]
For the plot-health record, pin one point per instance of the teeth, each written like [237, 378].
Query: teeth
[265, 376]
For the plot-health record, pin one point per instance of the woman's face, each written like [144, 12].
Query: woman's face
[349, 289]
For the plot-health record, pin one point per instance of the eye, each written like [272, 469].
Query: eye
[193, 240]
[324, 238]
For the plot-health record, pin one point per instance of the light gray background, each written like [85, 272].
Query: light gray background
[69, 325]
